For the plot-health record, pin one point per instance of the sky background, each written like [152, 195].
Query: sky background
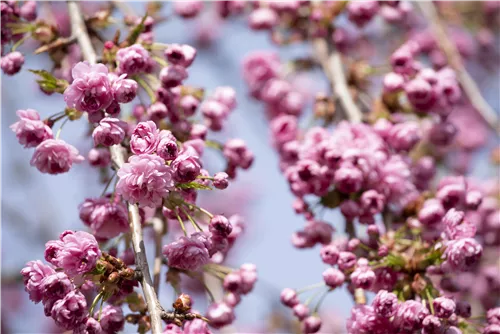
[37, 207]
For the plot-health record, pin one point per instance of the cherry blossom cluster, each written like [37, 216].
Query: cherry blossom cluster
[14, 16]
[380, 175]
[61, 284]
[421, 239]
[162, 146]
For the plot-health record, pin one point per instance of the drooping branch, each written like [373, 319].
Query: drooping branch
[118, 157]
[331, 61]
[454, 60]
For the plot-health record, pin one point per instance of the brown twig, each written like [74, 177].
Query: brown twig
[331, 62]
[62, 41]
[118, 157]
[454, 60]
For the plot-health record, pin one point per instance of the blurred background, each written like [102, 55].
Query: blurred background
[37, 207]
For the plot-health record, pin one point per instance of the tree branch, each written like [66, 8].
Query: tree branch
[454, 60]
[118, 157]
[332, 66]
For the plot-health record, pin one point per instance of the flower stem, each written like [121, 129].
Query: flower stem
[95, 301]
[320, 301]
[195, 225]
[107, 184]
[429, 297]
[160, 61]
[146, 88]
[181, 222]
[310, 287]
[60, 128]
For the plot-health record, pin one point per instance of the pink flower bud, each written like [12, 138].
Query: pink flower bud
[311, 324]
[385, 303]
[363, 277]
[444, 307]
[361, 12]
[333, 277]
[348, 179]
[442, 134]
[232, 299]
[420, 94]
[167, 145]
[144, 179]
[198, 131]
[329, 254]
[220, 180]
[284, 128]
[12, 62]
[404, 136]
[289, 297]
[172, 76]
[262, 18]
[55, 156]
[393, 82]
[372, 202]
[90, 90]
[186, 253]
[145, 138]
[188, 104]
[220, 225]
[30, 130]
[301, 311]
[180, 54]
[462, 254]
[402, 61]
[188, 9]
[124, 90]
[232, 282]
[76, 253]
[28, 10]
[225, 95]
[220, 315]
[157, 111]
[186, 167]
[132, 60]
[347, 260]
[110, 131]
[473, 199]
[431, 212]
[99, 157]
[71, 311]
[33, 275]
[111, 319]
[237, 153]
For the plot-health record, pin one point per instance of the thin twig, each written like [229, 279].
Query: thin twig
[331, 62]
[62, 41]
[454, 60]
[118, 157]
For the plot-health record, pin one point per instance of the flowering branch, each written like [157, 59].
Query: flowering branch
[117, 155]
[450, 50]
[332, 66]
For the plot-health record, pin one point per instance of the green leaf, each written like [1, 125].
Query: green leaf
[50, 83]
[134, 34]
[394, 260]
[193, 185]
